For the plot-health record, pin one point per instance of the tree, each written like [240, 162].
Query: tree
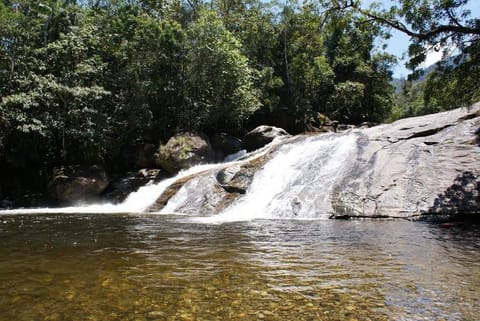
[361, 72]
[453, 85]
[221, 95]
[441, 26]
[52, 101]
[436, 24]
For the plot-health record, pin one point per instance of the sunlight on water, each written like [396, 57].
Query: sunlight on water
[126, 267]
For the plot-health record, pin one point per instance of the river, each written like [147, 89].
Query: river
[160, 267]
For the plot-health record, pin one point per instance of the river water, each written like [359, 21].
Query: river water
[156, 267]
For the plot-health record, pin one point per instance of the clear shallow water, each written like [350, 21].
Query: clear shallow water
[126, 267]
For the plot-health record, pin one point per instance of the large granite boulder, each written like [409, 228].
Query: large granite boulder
[261, 136]
[414, 167]
[70, 184]
[185, 150]
[225, 144]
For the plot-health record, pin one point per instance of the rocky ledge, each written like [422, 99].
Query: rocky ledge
[410, 169]
[415, 167]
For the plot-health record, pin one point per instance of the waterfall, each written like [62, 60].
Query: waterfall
[145, 196]
[297, 182]
[140, 200]
[136, 202]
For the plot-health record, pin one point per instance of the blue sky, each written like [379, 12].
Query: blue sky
[398, 44]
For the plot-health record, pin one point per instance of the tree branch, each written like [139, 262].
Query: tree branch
[446, 28]
[193, 6]
[453, 18]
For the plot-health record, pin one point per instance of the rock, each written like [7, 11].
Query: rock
[342, 127]
[75, 183]
[185, 150]
[210, 191]
[261, 136]
[6, 204]
[235, 179]
[310, 129]
[321, 120]
[225, 144]
[334, 125]
[414, 167]
[367, 124]
[121, 187]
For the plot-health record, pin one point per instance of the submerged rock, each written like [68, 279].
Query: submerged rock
[75, 183]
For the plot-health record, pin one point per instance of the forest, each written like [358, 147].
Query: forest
[85, 81]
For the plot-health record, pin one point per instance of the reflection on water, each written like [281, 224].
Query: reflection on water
[123, 267]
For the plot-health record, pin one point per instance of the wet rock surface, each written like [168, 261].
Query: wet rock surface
[118, 190]
[409, 169]
[211, 191]
[413, 167]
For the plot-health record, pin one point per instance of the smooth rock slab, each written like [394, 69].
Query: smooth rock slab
[409, 168]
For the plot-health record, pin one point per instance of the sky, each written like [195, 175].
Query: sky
[398, 44]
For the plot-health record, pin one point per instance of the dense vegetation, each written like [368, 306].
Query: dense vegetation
[436, 25]
[85, 81]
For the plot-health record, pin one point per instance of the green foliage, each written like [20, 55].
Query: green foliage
[447, 85]
[455, 85]
[85, 81]
[362, 91]
[220, 82]
[439, 25]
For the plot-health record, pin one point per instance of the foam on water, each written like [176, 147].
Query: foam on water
[297, 183]
[140, 200]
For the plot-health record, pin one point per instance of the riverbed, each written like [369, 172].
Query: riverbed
[160, 267]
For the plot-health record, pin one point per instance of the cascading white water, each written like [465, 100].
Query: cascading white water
[136, 202]
[296, 183]
[140, 200]
[145, 196]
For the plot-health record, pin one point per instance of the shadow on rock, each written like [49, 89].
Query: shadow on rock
[460, 200]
